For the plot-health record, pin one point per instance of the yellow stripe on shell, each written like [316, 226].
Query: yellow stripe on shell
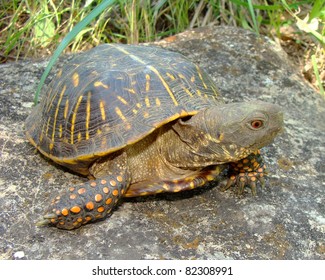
[75, 79]
[200, 75]
[88, 114]
[60, 130]
[158, 103]
[122, 117]
[131, 90]
[147, 82]
[187, 91]
[66, 108]
[171, 76]
[57, 111]
[120, 114]
[42, 133]
[101, 84]
[74, 116]
[102, 109]
[120, 48]
[215, 91]
[147, 101]
[48, 126]
[172, 96]
[50, 104]
[122, 100]
[59, 74]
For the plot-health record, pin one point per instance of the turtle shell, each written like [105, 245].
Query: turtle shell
[112, 96]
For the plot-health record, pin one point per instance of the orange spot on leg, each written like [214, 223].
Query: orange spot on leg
[98, 197]
[115, 192]
[81, 191]
[75, 209]
[112, 183]
[90, 205]
[106, 190]
[65, 212]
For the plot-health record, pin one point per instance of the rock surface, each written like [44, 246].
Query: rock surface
[285, 221]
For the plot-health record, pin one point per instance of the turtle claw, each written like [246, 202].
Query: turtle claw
[241, 181]
[262, 181]
[240, 187]
[230, 182]
[246, 172]
[46, 220]
[253, 188]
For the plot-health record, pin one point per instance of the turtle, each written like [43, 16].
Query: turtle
[143, 120]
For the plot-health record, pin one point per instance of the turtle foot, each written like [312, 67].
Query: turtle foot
[87, 202]
[247, 172]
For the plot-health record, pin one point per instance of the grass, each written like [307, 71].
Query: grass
[35, 28]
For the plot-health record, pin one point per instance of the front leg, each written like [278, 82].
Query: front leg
[246, 172]
[89, 201]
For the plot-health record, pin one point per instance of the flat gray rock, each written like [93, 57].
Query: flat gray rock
[285, 221]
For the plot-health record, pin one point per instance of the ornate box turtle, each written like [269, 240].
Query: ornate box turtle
[141, 120]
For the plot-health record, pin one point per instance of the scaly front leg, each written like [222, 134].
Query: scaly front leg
[246, 172]
[89, 201]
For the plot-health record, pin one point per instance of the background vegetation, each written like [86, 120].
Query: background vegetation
[33, 29]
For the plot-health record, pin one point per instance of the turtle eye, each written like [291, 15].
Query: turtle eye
[256, 124]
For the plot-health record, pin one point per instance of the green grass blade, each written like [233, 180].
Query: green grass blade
[252, 13]
[316, 10]
[316, 72]
[65, 42]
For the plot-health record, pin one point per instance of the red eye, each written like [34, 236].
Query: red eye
[257, 124]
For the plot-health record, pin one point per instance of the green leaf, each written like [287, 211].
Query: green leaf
[44, 30]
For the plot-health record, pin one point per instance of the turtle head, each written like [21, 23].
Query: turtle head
[243, 128]
[230, 132]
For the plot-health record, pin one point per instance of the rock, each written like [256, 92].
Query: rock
[19, 255]
[285, 221]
